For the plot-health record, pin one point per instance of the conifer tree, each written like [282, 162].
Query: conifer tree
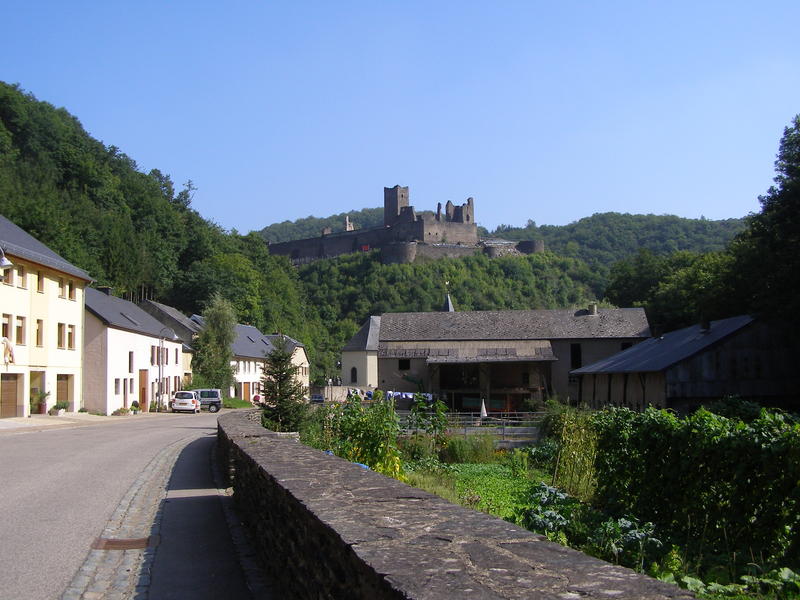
[284, 403]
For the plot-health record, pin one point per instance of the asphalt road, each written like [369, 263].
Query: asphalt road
[60, 486]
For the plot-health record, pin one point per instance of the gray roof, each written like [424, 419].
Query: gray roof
[657, 354]
[366, 338]
[250, 342]
[173, 312]
[119, 313]
[17, 242]
[515, 325]
[184, 327]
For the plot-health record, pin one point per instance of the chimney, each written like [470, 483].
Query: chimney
[106, 289]
[593, 308]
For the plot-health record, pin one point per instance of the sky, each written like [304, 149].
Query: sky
[542, 111]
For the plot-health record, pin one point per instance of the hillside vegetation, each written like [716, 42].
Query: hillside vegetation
[310, 227]
[136, 232]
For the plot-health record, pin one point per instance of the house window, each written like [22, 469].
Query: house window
[116, 386]
[40, 282]
[130, 361]
[8, 276]
[353, 375]
[176, 357]
[152, 355]
[61, 288]
[22, 277]
[130, 385]
[404, 364]
[62, 335]
[165, 356]
[71, 289]
[71, 337]
[39, 332]
[575, 358]
[20, 331]
[6, 326]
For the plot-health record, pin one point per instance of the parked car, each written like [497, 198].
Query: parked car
[317, 399]
[210, 399]
[185, 401]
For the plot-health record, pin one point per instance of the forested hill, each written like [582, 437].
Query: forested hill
[309, 227]
[132, 230]
[600, 240]
[605, 238]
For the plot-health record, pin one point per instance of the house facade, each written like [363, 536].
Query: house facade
[683, 369]
[128, 356]
[507, 359]
[42, 304]
[250, 348]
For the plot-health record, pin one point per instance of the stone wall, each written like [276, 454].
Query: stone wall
[326, 528]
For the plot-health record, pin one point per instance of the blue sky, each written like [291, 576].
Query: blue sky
[543, 111]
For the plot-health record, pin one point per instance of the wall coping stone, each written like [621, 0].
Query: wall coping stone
[327, 528]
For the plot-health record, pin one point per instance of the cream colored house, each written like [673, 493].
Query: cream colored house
[250, 347]
[128, 356]
[42, 302]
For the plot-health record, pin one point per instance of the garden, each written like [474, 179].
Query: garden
[708, 501]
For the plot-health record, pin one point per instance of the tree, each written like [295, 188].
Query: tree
[213, 353]
[285, 406]
[766, 253]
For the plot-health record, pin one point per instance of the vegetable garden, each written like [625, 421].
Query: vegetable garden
[707, 501]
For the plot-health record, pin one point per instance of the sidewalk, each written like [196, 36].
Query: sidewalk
[73, 419]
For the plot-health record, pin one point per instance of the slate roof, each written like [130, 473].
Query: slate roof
[366, 338]
[657, 354]
[119, 313]
[514, 325]
[174, 313]
[17, 242]
[250, 342]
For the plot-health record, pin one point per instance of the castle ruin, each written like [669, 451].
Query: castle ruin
[406, 234]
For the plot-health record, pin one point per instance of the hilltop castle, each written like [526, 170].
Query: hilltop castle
[406, 234]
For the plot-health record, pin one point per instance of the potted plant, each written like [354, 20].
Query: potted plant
[135, 407]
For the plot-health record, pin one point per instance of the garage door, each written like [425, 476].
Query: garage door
[8, 396]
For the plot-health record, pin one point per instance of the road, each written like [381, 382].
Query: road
[67, 489]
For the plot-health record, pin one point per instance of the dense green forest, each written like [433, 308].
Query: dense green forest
[309, 227]
[136, 232]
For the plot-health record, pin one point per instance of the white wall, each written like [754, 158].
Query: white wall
[107, 368]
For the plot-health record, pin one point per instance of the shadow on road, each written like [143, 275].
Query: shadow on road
[195, 557]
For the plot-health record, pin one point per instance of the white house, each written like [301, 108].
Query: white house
[128, 355]
[41, 301]
[250, 347]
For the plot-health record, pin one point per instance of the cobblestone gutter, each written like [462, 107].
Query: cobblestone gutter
[326, 528]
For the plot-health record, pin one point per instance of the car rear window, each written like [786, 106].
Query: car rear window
[184, 395]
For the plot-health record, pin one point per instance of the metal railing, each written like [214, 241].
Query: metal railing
[506, 426]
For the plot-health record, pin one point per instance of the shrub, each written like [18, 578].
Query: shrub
[362, 434]
[121, 411]
[469, 449]
[416, 447]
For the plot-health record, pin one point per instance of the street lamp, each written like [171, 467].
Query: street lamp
[161, 336]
